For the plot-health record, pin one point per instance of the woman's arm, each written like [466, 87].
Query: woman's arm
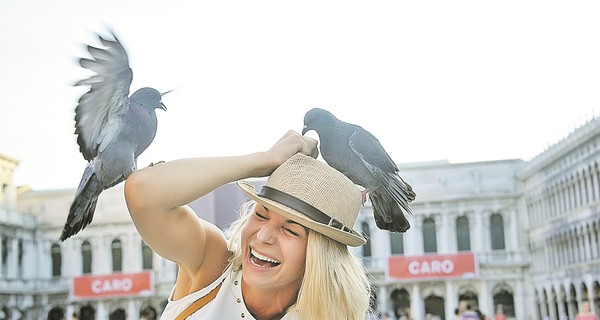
[157, 199]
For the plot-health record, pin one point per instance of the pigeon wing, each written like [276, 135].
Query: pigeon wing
[370, 151]
[381, 165]
[98, 116]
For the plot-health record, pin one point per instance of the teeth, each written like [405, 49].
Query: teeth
[263, 258]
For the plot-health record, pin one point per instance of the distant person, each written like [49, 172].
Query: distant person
[466, 312]
[585, 313]
[500, 314]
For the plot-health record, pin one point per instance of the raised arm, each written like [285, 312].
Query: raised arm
[157, 199]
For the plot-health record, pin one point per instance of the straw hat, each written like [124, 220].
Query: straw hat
[313, 194]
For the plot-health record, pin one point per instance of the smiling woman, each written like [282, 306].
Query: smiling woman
[287, 255]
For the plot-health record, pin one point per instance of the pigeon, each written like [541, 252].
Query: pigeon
[357, 154]
[112, 128]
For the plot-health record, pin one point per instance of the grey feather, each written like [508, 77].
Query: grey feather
[356, 153]
[112, 128]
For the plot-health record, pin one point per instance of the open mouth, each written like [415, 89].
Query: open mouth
[261, 261]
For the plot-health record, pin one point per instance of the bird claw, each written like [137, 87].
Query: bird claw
[152, 164]
[364, 196]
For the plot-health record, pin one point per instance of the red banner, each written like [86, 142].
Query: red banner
[460, 265]
[113, 285]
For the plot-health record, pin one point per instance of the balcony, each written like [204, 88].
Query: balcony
[31, 286]
[503, 258]
[16, 218]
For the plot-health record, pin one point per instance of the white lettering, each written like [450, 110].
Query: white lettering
[111, 286]
[431, 267]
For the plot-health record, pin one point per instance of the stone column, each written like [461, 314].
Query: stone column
[543, 304]
[12, 264]
[132, 254]
[445, 239]
[551, 306]
[594, 240]
[416, 303]
[519, 299]
[485, 232]
[589, 283]
[383, 300]
[560, 302]
[2, 253]
[72, 260]
[451, 299]
[571, 311]
[586, 243]
[133, 312]
[485, 298]
[101, 311]
[417, 246]
[514, 228]
[101, 255]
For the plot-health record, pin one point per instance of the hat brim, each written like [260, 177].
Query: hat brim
[347, 238]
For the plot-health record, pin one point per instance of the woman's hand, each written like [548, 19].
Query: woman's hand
[291, 143]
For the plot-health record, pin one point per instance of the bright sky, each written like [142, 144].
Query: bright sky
[458, 80]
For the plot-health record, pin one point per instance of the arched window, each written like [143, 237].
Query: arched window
[429, 236]
[146, 256]
[117, 255]
[397, 243]
[463, 236]
[497, 232]
[86, 257]
[56, 259]
[366, 248]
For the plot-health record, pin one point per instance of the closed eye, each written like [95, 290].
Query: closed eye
[260, 216]
[291, 231]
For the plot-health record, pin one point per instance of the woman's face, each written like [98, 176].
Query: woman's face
[274, 251]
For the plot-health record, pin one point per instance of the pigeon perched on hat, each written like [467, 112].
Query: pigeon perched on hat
[360, 156]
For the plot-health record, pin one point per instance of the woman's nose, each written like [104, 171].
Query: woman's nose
[266, 233]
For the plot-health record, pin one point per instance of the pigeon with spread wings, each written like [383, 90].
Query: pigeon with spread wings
[112, 128]
[356, 153]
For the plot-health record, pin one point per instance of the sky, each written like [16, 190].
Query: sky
[461, 81]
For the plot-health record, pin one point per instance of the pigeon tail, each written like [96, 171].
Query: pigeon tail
[397, 189]
[83, 206]
[389, 214]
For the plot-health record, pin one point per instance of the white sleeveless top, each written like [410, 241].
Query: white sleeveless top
[228, 304]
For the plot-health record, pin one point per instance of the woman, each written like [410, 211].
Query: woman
[287, 255]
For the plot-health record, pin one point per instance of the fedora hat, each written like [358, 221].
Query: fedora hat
[313, 194]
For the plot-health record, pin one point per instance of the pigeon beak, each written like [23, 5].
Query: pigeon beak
[162, 94]
[305, 129]
[161, 103]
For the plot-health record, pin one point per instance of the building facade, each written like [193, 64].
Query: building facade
[462, 211]
[512, 235]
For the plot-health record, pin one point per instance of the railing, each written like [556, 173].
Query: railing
[14, 217]
[24, 286]
[375, 265]
[501, 257]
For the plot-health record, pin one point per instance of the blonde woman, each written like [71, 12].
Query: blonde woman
[287, 256]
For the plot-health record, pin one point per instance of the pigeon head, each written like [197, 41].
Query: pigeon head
[317, 118]
[149, 99]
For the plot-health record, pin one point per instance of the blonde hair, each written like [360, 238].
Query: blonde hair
[335, 284]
